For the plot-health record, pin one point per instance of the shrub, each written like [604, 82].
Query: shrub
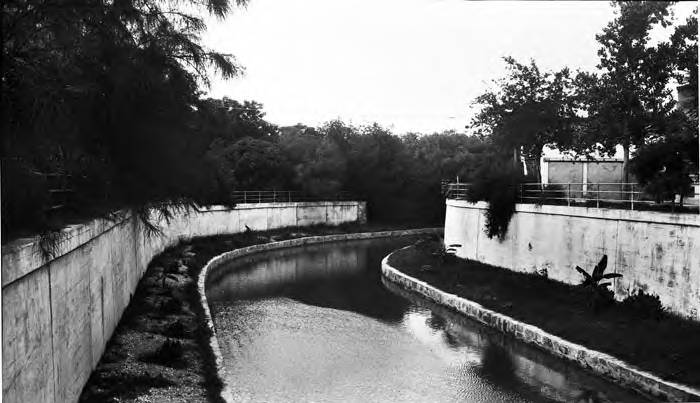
[170, 353]
[643, 305]
[598, 274]
[598, 294]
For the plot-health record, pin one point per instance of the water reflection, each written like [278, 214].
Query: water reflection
[338, 277]
[317, 324]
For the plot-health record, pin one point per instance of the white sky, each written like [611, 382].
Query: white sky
[410, 65]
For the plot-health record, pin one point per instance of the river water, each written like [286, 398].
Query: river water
[317, 324]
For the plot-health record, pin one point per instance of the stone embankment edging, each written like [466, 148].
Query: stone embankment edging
[597, 362]
[227, 257]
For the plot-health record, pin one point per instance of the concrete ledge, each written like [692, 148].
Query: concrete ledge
[227, 257]
[659, 217]
[594, 361]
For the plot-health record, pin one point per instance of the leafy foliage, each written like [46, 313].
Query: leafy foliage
[643, 305]
[595, 279]
[496, 184]
[528, 110]
[664, 166]
[629, 99]
[599, 295]
[104, 95]
[170, 353]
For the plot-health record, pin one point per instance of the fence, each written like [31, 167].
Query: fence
[61, 194]
[286, 196]
[614, 195]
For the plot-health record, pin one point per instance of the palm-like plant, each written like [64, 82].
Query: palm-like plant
[595, 279]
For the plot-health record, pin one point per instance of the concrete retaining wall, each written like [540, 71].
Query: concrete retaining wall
[602, 364]
[57, 316]
[656, 252]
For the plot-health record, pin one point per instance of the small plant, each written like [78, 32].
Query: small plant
[643, 305]
[599, 295]
[164, 276]
[595, 279]
[445, 253]
[170, 353]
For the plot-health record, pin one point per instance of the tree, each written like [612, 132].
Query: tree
[251, 164]
[629, 100]
[102, 93]
[528, 110]
[667, 158]
[664, 166]
[230, 120]
[684, 47]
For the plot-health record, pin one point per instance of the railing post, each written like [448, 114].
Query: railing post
[568, 194]
[245, 196]
[597, 195]
[259, 197]
[632, 197]
[521, 192]
[274, 196]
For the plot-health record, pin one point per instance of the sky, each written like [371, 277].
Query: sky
[409, 65]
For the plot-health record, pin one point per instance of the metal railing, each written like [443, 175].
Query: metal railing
[60, 192]
[287, 196]
[611, 195]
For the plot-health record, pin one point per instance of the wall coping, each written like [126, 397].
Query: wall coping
[26, 250]
[591, 360]
[227, 257]
[658, 217]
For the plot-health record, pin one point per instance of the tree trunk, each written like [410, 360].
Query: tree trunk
[517, 164]
[625, 162]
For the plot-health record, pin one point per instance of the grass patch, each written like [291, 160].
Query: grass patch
[105, 387]
[649, 338]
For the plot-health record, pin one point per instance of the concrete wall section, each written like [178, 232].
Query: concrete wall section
[656, 252]
[57, 316]
[27, 360]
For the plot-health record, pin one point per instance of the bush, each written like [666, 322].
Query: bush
[170, 353]
[643, 305]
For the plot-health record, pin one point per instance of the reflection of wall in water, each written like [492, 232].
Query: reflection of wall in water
[530, 371]
[265, 272]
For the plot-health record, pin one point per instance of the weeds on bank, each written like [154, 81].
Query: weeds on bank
[170, 354]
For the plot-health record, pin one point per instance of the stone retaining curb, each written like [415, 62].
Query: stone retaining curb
[226, 257]
[597, 362]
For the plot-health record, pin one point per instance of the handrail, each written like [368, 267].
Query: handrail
[626, 195]
[287, 196]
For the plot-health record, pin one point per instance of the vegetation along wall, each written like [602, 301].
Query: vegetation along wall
[656, 252]
[58, 315]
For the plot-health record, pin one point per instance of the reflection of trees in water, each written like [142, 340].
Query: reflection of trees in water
[435, 321]
[344, 276]
[589, 396]
[498, 365]
[451, 340]
[359, 291]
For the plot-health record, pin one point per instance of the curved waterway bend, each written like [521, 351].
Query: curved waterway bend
[316, 323]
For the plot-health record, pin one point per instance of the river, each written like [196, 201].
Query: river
[316, 323]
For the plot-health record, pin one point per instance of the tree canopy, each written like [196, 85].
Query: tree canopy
[528, 110]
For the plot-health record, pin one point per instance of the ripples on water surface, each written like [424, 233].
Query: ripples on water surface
[316, 323]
